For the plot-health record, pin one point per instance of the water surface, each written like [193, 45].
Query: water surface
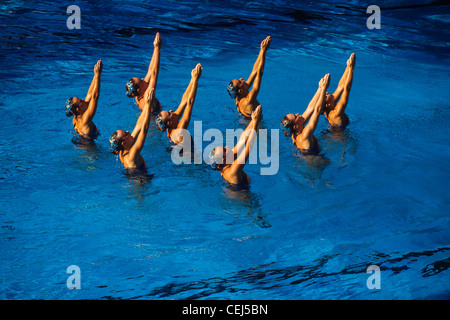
[377, 196]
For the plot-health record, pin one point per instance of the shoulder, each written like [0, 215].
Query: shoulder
[122, 157]
[229, 174]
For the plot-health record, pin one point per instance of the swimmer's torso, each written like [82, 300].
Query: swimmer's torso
[86, 130]
[138, 163]
[306, 145]
[155, 107]
[337, 119]
[246, 106]
[240, 179]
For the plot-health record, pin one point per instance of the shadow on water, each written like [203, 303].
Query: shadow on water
[313, 165]
[249, 202]
[139, 182]
[340, 142]
[337, 147]
[269, 277]
[91, 151]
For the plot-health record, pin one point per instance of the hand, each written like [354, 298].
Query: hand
[257, 114]
[197, 71]
[98, 67]
[351, 61]
[157, 41]
[150, 96]
[325, 82]
[266, 43]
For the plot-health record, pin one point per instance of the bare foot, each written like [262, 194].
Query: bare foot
[98, 66]
[157, 41]
[197, 71]
[351, 61]
[266, 43]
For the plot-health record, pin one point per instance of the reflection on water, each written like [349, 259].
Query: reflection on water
[272, 278]
[313, 165]
[35, 42]
[336, 147]
[139, 182]
[91, 152]
[339, 141]
[249, 202]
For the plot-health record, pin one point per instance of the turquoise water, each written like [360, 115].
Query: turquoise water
[377, 197]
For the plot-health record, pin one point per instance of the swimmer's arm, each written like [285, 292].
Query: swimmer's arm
[91, 87]
[139, 123]
[153, 69]
[185, 98]
[342, 104]
[311, 106]
[242, 140]
[338, 92]
[185, 120]
[239, 163]
[340, 88]
[140, 139]
[312, 124]
[93, 101]
[258, 69]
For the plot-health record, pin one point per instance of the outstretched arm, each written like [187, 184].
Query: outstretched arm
[184, 99]
[340, 88]
[184, 122]
[243, 139]
[153, 69]
[94, 93]
[140, 139]
[249, 135]
[312, 124]
[311, 106]
[139, 122]
[342, 104]
[258, 68]
[91, 89]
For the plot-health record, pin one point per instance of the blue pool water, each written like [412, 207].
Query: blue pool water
[379, 196]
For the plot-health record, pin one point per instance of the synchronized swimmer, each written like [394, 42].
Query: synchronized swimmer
[137, 88]
[230, 162]
[294, 126]
[129, 145]
[302, 134]
[84, 110]
[336, 103]
[173, 121]
[238, 89]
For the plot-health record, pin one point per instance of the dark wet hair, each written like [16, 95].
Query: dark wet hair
[70, 107]
[232, 90]
[287, 126]
[132, 87]
[160, 123]
[116, 144]
[214, 164]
